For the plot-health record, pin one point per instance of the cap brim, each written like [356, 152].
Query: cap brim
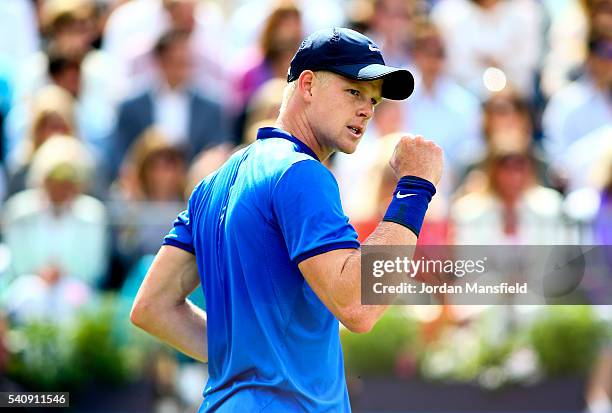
[398, 84]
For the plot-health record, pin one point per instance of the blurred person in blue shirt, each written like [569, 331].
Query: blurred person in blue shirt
[585, 104]
[186, 117]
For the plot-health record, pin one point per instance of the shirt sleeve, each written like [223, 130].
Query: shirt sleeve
[180, 235]
[306, 204]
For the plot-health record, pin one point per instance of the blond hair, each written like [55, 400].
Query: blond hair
[151, 143]
[61, 153]
[51, 100]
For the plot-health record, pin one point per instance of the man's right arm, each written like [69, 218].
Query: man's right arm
[335, 276]
[162, 309]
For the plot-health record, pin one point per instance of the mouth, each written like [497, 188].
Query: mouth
[356, 131]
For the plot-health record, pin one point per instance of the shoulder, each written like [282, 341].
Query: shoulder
[22, 205]
[90, 209]
[472, 207]
[281, 155]
[570, 97]
[136, 101]
[545, 202]
[204, 100]
[459, 98]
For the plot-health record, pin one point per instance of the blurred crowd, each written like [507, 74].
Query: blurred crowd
[111, 111]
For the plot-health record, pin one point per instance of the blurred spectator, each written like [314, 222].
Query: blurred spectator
[483, 38]
[6, 96]
[186, 118]
[133, 29]
[566, 39]
[600, 17]
[263, 107]
[602, 224]
[359, 15]
[54, 229]
[70, 28]
[207, 162]
[154, 170]
[149, 194]
[506, 114]
[19, 29]
[585, 104]
[580, 156]
[94, 118]
[510, 207]
[392, 26]
[247, 20]
[440, 109]
[52, 112]
[48, 295]
[280, 38]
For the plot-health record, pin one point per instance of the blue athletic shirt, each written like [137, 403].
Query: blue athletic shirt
[273, 346]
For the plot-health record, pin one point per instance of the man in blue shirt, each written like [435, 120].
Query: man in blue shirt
[266, 237]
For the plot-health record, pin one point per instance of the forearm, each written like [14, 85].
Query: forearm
[181, 326]
[387, 233]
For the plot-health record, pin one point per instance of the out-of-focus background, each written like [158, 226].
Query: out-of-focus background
[112, 110]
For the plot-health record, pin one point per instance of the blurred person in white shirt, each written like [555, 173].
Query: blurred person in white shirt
[55, 233]
[584, 105]
[441, 108]
[484, 37]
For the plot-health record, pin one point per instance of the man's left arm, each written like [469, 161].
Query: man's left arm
[162, 309]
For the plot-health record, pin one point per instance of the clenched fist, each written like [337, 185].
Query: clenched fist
[416, 156]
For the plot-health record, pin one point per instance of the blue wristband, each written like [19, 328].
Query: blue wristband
[410, 200]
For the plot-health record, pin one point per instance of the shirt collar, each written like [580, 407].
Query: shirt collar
[269, 132]
[163, 89]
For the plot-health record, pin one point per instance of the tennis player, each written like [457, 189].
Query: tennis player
[266, 237]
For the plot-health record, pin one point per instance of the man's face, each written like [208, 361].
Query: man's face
[429, 56]
[176, 63]
[341, 109]
[182, 13]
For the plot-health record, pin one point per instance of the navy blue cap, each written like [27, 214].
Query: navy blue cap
[352, 55]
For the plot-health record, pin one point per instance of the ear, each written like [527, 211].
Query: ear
[305, 84]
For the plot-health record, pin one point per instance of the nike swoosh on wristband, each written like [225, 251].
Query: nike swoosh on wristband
[399, 195]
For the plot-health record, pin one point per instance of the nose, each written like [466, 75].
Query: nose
[366, 111]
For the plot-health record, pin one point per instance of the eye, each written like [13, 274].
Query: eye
[374, 102]
[353, 92]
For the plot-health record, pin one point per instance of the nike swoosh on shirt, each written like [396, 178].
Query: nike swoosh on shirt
[399, 195]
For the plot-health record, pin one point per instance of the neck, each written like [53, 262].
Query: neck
[297, 125]
[509, 201]
[172, 85]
